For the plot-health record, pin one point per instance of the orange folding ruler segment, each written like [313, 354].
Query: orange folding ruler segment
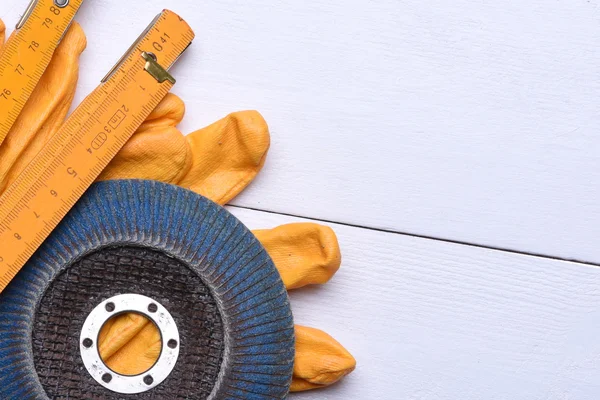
[74, 157]
[28, 52]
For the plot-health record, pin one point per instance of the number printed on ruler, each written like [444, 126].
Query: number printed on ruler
[113, 123]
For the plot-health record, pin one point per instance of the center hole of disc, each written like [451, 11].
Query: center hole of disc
[129, 343]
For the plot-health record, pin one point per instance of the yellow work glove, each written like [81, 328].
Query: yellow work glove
[218, 161]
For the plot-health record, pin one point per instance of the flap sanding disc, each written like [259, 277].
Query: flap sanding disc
[236, 335]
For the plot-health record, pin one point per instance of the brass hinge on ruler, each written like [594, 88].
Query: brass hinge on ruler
[154, 69]
[27, 53]
[74, 157]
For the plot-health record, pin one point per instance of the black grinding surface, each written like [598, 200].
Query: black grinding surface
[118, 270]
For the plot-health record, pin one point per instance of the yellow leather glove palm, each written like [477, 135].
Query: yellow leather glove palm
[218, 161]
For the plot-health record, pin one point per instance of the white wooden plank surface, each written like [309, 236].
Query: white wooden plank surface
[467, 120]
[429, 320]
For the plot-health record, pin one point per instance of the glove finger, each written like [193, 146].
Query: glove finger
[156, 153]
[227, 155]
[45, 110]
[218, 161]
[304, 253]
[2, 34]
[118, 331]
[320, 360]
[168, 113]
[157, 150]
[129, 344]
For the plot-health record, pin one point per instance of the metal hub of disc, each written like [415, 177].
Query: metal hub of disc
[89, 346]
[78, 294]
